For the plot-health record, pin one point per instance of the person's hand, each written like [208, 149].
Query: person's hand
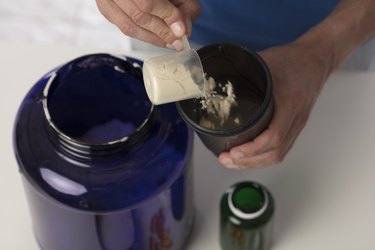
[298, 75]
[159, 22]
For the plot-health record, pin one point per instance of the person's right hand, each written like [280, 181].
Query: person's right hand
[159, 22]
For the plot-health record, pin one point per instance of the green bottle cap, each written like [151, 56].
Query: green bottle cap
[248, 201]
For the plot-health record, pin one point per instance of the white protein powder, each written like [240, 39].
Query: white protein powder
[218, 106]
[171, 81]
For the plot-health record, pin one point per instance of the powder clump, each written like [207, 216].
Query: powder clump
[217, 103]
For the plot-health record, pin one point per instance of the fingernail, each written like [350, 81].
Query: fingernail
[177, 29]
[232, 166]
[177, 45]
[228, 163]
[169, 46]
[238, 155]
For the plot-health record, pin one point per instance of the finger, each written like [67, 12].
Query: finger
[190, 9]
[226, 160]
[115, 15]
[268, 158]
[273, 156]
[147, 21]
[269, 139]
[167, 11]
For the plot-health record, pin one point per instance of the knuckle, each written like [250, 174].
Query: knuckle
[277, 140]
[105, 14]
[276, 157]
[102, 9]
[170, 15]
[145, 5]
[196, 9]
[164, 34]
[127, 28]
[140, 18]
[191, 9]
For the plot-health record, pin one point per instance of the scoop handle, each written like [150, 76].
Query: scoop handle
[185, 43]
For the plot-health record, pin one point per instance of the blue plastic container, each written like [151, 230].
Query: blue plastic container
[102, 167]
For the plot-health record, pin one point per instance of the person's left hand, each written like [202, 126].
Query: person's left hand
[298, 73]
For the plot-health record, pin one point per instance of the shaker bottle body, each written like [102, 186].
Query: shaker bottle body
[253, 90]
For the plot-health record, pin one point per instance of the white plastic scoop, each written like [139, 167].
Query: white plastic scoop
[174, 77]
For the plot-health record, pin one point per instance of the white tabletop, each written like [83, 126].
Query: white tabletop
[324, 189]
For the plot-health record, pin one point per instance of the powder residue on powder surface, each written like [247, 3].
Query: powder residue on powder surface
[218, 101]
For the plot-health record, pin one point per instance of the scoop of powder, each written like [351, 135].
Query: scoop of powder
[171, 81]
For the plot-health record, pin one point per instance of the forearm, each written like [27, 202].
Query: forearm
[346, 28]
